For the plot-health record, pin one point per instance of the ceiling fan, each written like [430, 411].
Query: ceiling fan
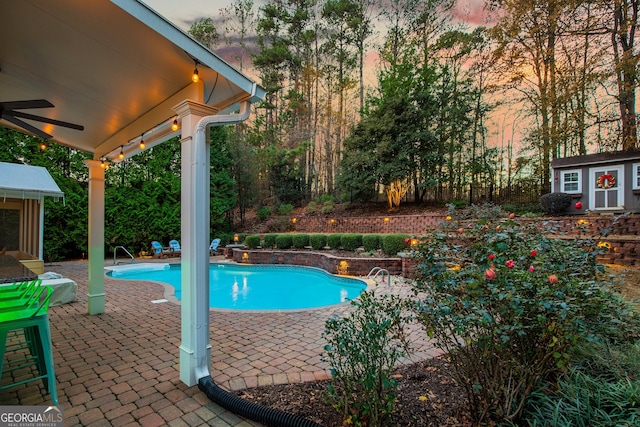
[8, 112]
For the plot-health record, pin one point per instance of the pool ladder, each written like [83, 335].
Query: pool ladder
[379, 271]
[115, 253]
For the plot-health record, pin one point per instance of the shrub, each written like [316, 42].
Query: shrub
[278, 225]
[333, 240]
[284, 241]
[371, 242]
[394, 243]
[264, 212]
[269, 241]
[327, 207]
[285, 209]
[300, 241]
[252, 241]
[312, 207]
[555, 203]
[362, 349]
[510, 306]
[351, 242]
[318, 241]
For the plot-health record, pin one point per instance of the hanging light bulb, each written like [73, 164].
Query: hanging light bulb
[174, 126]
[195, 77]
[142, 142]
[103, 164]
[121, 155]
[43, 146]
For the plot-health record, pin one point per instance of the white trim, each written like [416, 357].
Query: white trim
[619, 187]
[635, 176]
[563, 182]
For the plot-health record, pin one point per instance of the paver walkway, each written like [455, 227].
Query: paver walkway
[121, 367]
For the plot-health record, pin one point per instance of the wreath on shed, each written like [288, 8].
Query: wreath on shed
[606, 180]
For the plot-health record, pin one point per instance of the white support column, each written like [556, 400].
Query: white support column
[95, 293]
[195, 349]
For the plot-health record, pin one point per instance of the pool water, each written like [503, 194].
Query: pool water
[258, 287]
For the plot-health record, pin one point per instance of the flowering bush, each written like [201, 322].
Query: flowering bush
[512, 315]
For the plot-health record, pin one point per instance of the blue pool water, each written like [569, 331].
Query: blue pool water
[258, 287]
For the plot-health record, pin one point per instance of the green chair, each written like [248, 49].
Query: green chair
[29, 315]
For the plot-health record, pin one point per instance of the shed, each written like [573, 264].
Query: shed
[601, 183]
[22, 192]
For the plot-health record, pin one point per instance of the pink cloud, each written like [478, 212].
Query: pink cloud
[471, 12]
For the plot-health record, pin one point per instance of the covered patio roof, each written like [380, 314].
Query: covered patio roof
[122, 72]
[116, 67]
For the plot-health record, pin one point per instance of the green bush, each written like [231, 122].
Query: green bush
[511, 307]
[371, 242]
[327, 207]
[362, 350]
[284, 241]
[394, 243]
[300, 241]
[252, 241]
[555, 203]
[351, 242]
[269, 241]
[333, 240]
[285, 209]
[312, 207]
[264, 212]
[318, 241]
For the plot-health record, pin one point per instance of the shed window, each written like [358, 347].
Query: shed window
[636, 176]
[571, 181]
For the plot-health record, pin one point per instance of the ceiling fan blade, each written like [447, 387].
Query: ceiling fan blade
[26, 126]
[44, 120]
[23, 105]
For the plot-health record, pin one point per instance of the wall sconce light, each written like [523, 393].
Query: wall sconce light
[386, 219]
[414, 242]
[331, 221]
[245, 256]
[195, 77]
[174, 126]
[121, 155]
[294, 220]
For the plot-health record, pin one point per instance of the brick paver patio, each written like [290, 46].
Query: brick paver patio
[121, 367]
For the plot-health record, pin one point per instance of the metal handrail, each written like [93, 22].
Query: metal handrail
[115, 251]
[379, 271]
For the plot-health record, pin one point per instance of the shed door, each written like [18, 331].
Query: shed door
[607, 189]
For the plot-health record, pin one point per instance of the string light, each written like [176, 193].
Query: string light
[103, 165]
[195, 77]
[174, 126]
[43, 146]
[142, 142]
[121, 155]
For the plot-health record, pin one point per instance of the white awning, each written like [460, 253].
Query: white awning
[26, 182]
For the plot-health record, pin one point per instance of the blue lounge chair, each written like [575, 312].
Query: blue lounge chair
[213, 248]
[159, 251]
[174, 248]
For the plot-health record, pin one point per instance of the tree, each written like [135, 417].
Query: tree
[204, 30]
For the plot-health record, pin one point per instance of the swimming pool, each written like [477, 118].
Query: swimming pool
[257, 287]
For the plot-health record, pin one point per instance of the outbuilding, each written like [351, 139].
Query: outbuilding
[599, 183]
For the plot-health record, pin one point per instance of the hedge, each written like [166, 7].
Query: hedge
[318, 241]
[300, 241]
[394, 243]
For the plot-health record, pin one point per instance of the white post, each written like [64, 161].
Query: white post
[95, 293]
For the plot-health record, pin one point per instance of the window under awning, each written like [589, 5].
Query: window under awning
[19, 181]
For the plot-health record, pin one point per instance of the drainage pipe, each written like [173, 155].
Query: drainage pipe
[270, 417]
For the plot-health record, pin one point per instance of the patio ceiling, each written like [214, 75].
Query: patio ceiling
[116, 67]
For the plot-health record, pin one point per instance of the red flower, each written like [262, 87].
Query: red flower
[490, 273]
[460, 230]
[509, 263]
[491, 257]
[512, 215]
[534, 252]
[553, 278]
[407, 240]
[531, 269]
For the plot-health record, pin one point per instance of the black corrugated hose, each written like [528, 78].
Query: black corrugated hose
[268, 416]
